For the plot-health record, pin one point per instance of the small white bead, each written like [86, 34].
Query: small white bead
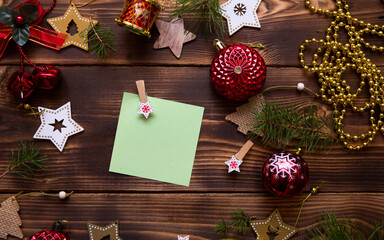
[300, 86]
[62, 195]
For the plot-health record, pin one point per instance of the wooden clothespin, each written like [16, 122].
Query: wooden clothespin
[237, 159]
[145, 107]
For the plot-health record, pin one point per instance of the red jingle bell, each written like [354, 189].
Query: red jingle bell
[21, 84]
[237, 71]
[54, 234]
[285, 174]
[46, 77]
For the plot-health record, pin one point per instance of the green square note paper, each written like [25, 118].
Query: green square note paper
[161, 147]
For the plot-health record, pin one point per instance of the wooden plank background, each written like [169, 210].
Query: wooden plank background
[146, 209]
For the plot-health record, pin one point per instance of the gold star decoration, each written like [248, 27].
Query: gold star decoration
[273, 225]
[10, 221]
[173, 35]
[60, 24]
[98, 233]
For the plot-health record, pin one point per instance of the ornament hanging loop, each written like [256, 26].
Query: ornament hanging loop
[34, 111]
[218, 44]
[314, 191]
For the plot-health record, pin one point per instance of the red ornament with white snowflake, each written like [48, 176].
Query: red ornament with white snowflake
[285, 174]
[238, 71]
[54, 234]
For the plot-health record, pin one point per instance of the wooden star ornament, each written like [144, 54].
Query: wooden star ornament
[98, 233]
[10, 221]
[60, 24]
[273, 225]
[173, 35]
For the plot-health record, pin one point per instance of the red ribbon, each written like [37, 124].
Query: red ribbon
[40, 35]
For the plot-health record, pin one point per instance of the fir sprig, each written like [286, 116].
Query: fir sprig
[240, 223]
[206, 12]
[284, 125]
[26, 162]
[101, 40]
[345, 229]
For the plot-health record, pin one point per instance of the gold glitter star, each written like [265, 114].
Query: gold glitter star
[273, 225]
[60, 24]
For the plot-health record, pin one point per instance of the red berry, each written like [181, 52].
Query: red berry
[19, 20]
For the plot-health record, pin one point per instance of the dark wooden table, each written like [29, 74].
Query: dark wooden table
[353, 181]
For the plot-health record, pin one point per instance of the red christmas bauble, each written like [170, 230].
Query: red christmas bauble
[46, 77]
[54, 234]
[237, 71]
[21, 84]
[285, 174]
[48, 235]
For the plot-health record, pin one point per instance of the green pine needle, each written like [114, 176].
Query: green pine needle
[204, 12]
[345, 229]
[26, 162]
[222, 227]
[240, 223]
[283, 126]
[101, 40]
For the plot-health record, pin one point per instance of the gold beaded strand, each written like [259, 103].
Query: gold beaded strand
[337, 58]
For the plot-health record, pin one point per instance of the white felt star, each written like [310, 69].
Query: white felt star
[240, 13]
[233, 164]
[57, 125]
[182, 238]
[145, 109]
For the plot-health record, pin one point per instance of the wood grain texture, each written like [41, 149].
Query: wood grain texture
[146, 209]
[95, 94]
[173, 35]
[164, 216]
[284, 27]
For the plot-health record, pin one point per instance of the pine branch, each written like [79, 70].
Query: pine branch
[240, 224]
[345, 229]
[283, 126]
[27, 162]
[101, 39]
[206, 12]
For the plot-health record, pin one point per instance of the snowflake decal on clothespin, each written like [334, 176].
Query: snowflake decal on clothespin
[145, 105]
[237, 159]
[233, 164]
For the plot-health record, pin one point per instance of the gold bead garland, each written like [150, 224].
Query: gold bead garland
[337, 58]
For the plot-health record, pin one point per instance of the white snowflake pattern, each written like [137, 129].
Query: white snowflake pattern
[283, 164]
[183, 238]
